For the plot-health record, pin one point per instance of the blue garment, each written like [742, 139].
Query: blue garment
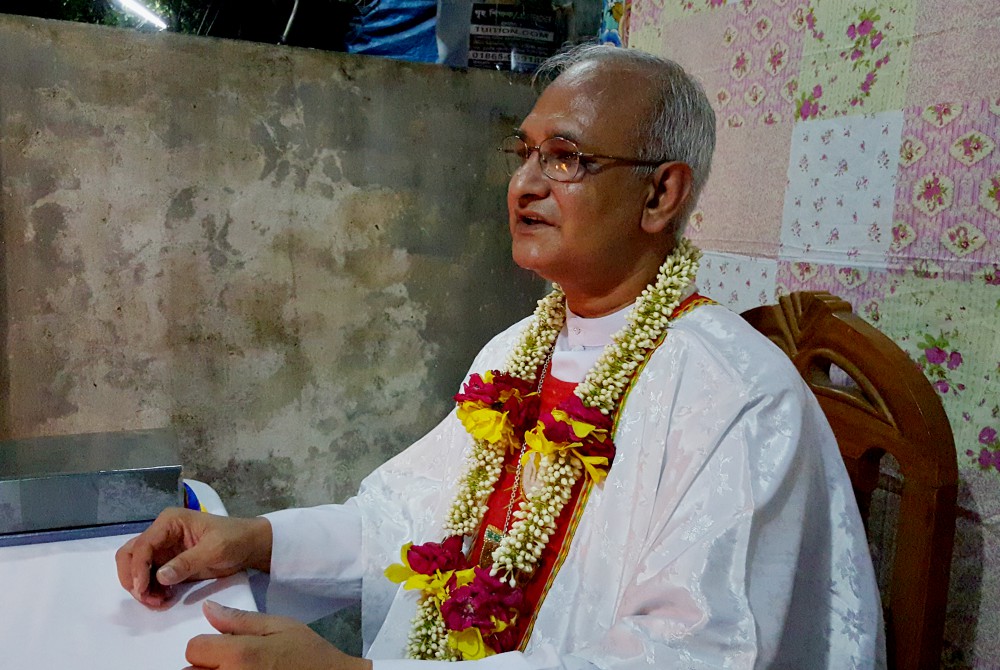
[401, 29]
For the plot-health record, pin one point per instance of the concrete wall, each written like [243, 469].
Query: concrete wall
[289, 256]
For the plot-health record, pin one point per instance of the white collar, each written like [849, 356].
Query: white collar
[593, 332]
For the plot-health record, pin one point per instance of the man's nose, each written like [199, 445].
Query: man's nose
[528, 181]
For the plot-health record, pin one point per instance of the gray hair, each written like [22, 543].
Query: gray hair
[680, 123]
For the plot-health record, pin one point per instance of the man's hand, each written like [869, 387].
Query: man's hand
[255, 641]
[186, 545]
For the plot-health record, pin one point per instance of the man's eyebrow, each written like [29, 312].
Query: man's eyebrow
[571, 136]
[567, 135]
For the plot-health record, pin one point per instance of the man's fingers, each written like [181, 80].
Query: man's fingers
[140, 558]
[123, 562]
[180, 567]
[135, 558]
[241, 622]
[206, 651]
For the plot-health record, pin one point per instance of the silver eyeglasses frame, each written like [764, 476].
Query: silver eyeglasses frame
[560, 158]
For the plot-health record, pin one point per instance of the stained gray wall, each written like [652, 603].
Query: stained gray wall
[289, 256]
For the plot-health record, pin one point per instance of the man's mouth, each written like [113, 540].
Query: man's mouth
[531, 219]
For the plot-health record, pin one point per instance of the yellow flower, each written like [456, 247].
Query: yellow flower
[580, 428]
[591, 463]
[397, 573]
[538, 444]
[483, 423]
[469, 643]
[435, 585]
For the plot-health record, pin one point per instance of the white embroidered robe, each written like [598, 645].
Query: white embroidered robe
[725, 536]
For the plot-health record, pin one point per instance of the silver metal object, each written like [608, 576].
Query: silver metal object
[87, 480]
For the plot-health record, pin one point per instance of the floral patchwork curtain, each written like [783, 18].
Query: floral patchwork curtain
[858, 154]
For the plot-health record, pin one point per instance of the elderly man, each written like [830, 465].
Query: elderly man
[632, 476]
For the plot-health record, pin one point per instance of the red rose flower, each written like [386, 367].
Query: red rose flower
[431, 557]
[522, 413]
[594, 447]
[557, 431]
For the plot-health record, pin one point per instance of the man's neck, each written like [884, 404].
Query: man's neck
[594, 297]
[592, 302]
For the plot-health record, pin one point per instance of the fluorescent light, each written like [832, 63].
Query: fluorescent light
[143, 13]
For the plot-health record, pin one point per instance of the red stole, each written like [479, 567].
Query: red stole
[554, 391]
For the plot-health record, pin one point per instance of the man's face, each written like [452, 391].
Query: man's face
[583, 234]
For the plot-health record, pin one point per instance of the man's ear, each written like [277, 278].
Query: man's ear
[669, 189]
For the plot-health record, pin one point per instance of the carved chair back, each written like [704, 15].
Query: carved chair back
[879, 402]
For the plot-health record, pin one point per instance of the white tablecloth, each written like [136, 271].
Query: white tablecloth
[61, 606]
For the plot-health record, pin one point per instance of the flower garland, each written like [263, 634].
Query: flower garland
[466, 612]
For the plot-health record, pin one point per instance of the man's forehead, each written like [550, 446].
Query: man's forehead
[586, 98]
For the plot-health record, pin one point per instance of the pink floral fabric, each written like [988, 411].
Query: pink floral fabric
[947, 215]
[762, 41]
[879, 130]
[738, 282]
[841, 182]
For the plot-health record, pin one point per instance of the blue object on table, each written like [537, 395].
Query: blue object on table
[191, 500]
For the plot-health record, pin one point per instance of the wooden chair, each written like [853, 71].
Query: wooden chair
[887, 406]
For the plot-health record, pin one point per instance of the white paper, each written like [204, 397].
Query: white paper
[62, 607]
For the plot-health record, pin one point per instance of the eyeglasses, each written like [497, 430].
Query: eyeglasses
[561, 159]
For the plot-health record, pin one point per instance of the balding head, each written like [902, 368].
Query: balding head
[669, 114]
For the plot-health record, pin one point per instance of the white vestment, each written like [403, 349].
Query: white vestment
[725, 536]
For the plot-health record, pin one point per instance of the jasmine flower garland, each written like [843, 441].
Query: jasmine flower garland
[500, 410]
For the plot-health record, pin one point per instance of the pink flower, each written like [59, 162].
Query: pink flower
[479, 602]
[597, 443]
[876, 40]
[865, 27]
[866, 85]
[432, 557]
[987, 436]
[985, 458]
[941, 386]
[933, 192]
[935, 355]
[507, 394]
[476, 389]
[817, 92]
[852, 31]
[577, 410]
[954, 360]
[494, 393]
[856, 54]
